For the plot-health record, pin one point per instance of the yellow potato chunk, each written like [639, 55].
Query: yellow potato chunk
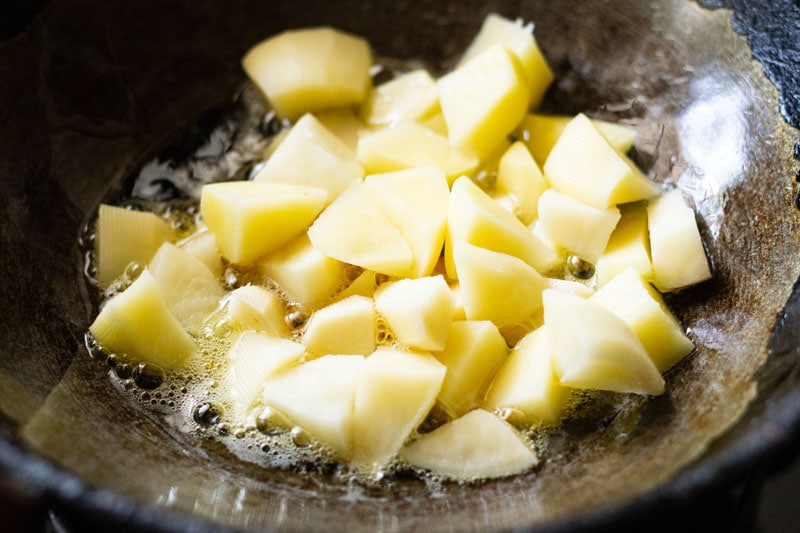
[483, 100]
[311, 69]
[679, 259]
[394, 393]
[628, 246]
[250, 219]
[364, 285]
[436, 124]
[345, 327]
[475, 218]
[592, 348]
[418, 311]
[585, 166]
[582, 229]
[540, 133]
[496, 286]
[473, 352]
[355, 230]
[311, 155]
[574, 287]
[252, 359]
[412, 96]
[344, 124]
[415, 202]
[476, 446]
[318, 396]
[409, 145]
[138, 323]
[189, 289]
[203, 246]
[633, 300]
[123, 237]
[305, 274]
[526, 385]
[519, 183]
[258, 309]
[519, 39]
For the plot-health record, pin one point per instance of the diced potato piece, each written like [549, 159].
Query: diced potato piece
[473, 352]
[496, 286]
[355, 230]
[418, 311]
[395, 391]
[312, 156]
[415, 202]
[526, 384]
[476, 446]
[519, 183]
[318, 396]
[483, 100]
[628, 246]
[253, 359]
[189, 289]
[583, 165]
[275, 142]
[474, 217]
[305, 274]
[409, 145]
[574, 287]
[251, 219]
[344, 124]
[364, 285]
[412, 96]
[310, 69]
[582, 229]
[139, 324]
[519, 39]
[679, 259]
[203, 246]
[542, 131]
[458, 312]
[436, 124]
[258, 309]
[592, 348]
[125, 236]
[344, 327]
[633, 300]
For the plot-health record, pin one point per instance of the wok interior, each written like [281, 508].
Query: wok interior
[112, 87]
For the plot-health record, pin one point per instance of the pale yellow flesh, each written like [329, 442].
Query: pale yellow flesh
[258, 309]
[477, 445]
[347, 326]
[344, 124]
[137, 323]
[306, 70]
[203, 246]
[412, 96]
[519, 183]
[628, 246]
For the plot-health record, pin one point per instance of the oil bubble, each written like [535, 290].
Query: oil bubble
[148, 376]
[124, 371]
[300, 437]
[580, 268]
[206, 414]
[271, 422]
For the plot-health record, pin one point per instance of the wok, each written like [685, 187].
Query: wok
[92, 90]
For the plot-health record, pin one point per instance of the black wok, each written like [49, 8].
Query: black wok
[92, 90]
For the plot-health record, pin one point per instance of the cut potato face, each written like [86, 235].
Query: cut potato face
[519, 183]
[258, 309]
[302, 71]
[345, 327]
[628, 246]
[412, 96]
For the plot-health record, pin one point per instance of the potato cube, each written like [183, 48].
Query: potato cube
[394, 394]
[318, 396]
[189, 289]
[592, 348]
[311, 155]
[310, 69]
[483, 100]
[345, 327]
[519, 183]
[253, 359]
[473, 352]
[258, 309]
[628, 246]
[355, 230]
[519, 39]
[305, 274]
[203, 246]
[476, 446]
[633, 300]
[679, 259]
[418, 311]
[139, 324]
[250, 219]
[475, 218]
[123, 237]
[412, 96]
[583, 165]
[582, 229]
[344, 124]
[364, 285]
[526, 384]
